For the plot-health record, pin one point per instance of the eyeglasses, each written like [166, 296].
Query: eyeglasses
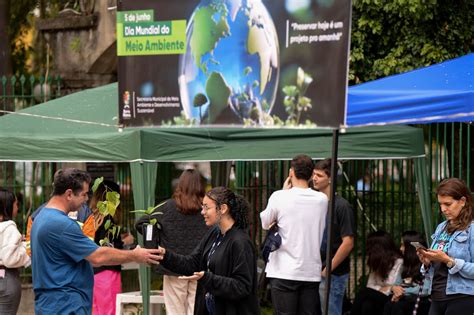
[206, 207]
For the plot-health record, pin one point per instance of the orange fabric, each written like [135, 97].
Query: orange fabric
[88, 227]
[27, 237]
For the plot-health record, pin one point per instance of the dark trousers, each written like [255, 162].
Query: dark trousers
[291, 297]
[406, 305]
[10, 292]
[369, 302]
[462, 305]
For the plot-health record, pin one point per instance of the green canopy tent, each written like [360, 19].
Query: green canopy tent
[83, 127]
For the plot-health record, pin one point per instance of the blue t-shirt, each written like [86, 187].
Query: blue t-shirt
[62, 278]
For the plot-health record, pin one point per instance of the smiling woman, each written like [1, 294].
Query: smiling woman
[451, 257]
[224, 262]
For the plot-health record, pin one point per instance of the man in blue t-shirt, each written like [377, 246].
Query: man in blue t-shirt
[62, 255]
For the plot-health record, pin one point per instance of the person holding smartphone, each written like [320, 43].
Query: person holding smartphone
[450, 260]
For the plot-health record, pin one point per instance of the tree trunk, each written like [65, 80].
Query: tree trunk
[5, 56]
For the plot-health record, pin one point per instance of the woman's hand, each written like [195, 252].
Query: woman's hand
[196, 276]
[398, 292]
[435, 255]
[425, 260]
[287, 183]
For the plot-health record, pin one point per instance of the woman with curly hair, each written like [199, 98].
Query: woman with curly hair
[384, 262]
[224, 262]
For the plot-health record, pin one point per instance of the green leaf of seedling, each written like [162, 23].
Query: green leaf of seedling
[97, 182]
[107, 224]
[114, 229]
[153, 221]
[290, 90]
[138, 211]
[113, 201]
[102, 207]
[104, 241]
[113, 197]
[255, 84]
[119, 228]
[151, 209]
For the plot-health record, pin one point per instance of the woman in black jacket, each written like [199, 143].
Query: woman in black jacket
[224, 262]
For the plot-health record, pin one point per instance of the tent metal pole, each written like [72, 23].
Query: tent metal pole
[144, 183]
[335, 141]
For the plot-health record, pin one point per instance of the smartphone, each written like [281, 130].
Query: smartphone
[418, 245]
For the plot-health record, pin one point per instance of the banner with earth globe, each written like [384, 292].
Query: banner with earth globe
[251, 63]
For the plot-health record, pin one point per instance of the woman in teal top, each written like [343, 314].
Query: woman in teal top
[451, 257]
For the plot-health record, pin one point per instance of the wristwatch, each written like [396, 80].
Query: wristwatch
[450, 264]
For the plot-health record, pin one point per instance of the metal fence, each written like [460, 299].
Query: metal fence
[382, 193]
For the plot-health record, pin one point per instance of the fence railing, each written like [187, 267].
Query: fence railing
[383, 193]
[18, 92]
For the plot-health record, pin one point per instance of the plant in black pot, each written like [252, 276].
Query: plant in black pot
[149, 226]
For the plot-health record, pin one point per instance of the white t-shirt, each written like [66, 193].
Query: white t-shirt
[301, 217]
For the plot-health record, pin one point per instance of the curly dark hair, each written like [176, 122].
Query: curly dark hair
[382, 253]
[238, 206]
[7, 199]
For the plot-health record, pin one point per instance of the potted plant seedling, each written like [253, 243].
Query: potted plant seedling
[149, 226]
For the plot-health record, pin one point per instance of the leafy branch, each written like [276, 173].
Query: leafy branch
[150, 211]
[107, 207]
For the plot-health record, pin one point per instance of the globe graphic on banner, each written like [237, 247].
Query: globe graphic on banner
[229, 73]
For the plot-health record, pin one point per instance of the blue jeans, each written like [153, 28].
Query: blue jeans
[336, 296]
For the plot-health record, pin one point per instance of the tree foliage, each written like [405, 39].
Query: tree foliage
[394, 36]
[21, 20]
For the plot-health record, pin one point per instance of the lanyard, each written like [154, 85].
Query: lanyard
[216, 244]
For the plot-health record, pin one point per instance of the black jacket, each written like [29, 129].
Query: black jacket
[180, 233]
[232, 274]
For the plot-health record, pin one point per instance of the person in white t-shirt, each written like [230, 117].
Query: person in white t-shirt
[294, 269]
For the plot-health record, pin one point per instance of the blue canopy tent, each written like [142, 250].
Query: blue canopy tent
[440, 93]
